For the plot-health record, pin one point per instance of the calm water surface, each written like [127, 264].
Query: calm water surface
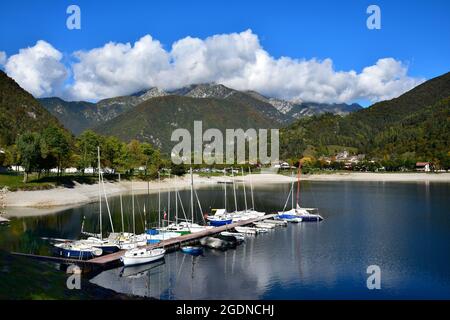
[404, 228]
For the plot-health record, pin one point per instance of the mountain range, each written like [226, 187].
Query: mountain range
[416, 125]
[78, 116]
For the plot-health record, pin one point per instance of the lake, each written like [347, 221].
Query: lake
[404, 228]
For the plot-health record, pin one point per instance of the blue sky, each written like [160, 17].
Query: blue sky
[414, 32]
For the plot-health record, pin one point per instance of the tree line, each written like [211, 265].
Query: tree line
[53, 147]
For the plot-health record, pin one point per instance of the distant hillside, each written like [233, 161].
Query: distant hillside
[155, 119]
[295, 110]
[415, 124]
[219, 91]
[74, 115]
[19, 111]
[79, 116]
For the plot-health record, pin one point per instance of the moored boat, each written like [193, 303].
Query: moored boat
[237, 235]
[76, 250]
[246, 230]
[297, 213]
[106, 245]
[193, 250]
[140, 256]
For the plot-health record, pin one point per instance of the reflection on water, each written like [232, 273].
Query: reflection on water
[402, 227]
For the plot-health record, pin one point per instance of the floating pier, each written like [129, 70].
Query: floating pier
[113, 259]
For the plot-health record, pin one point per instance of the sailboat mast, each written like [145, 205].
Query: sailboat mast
[234, 190]
[225, 189]
[99, 193]
[168, 204]
[132, 205]
[192, 195]
[176, 206]
[292, 190]
[251, 187]
[121, 209]
[159, 200]
[245, 193]
[148, 203]
[298, 181]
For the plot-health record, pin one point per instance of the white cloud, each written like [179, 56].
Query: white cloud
[117, 69]
[236, 60]
[2, 57]
[38, 69]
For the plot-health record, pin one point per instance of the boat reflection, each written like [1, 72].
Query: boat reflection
[139, 271]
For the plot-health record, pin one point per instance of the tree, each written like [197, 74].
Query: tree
[87, 144]
[28, 146]
[56, 143]
[152, 159]
[133, 156]
[112, 150]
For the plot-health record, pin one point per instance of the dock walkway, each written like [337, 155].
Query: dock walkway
[169, 244]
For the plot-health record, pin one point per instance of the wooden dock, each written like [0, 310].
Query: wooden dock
[175, 243]
[172, 244]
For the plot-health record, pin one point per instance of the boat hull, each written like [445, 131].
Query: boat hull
[108, 249]
[192, 250]
[133, 261]
[75, 254]
[219, 222]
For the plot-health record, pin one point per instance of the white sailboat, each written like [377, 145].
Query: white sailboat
[161, 234]
[249, 213]
[142, 255]
[297, 213]
[126, 240]
[186, 226]
[239, 215]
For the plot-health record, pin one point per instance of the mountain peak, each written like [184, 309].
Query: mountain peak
[205, 90]
[151, 93]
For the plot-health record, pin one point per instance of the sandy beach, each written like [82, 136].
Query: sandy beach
[47, 201]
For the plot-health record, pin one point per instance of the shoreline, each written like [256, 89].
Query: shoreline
[24, 203]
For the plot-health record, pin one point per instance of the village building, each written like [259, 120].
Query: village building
[423, 166]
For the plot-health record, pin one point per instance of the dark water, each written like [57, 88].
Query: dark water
[404, 228]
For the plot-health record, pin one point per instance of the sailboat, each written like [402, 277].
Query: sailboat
[297, 213]
[127, 240]
[92, 246]
[142, 255]
[249, 213]
[186, 227]
[221, 215]
[77, 250]
[161, 234]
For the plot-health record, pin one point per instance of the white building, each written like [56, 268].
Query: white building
[423, 166]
